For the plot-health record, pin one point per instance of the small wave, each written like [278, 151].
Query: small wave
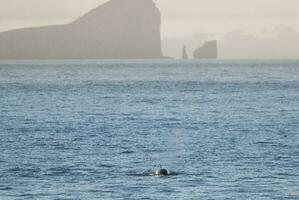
[106, 166]
[109, 97]
[263, 143]
[15, 169]
[25, 172]
[286, 174]
[6, 188]
[60, 147]
[127, 152]
[58, 171]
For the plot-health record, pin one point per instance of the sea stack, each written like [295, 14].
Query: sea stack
[118, 29]
[184, 52]
[208, 51]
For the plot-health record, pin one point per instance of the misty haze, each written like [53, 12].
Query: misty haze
[149, 99]
[269, 34]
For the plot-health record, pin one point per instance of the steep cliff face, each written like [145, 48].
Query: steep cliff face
[118, 29]
[208, 51]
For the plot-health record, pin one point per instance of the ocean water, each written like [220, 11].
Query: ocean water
[72, 130]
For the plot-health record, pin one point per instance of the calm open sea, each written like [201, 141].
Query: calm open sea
[95, 129]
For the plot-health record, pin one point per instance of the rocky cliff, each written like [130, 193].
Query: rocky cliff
[208, 51]
[118, 29]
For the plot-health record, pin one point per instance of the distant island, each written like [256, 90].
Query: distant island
[118, 29]
[208, 51]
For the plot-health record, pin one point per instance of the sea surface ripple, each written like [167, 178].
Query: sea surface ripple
[79, 129]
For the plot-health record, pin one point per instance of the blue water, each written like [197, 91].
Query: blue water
[95, 129]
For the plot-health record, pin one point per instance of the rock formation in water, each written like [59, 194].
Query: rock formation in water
[184, 52]
[118, 29]
[208, 51]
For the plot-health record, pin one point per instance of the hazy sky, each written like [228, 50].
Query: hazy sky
[180, 17]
